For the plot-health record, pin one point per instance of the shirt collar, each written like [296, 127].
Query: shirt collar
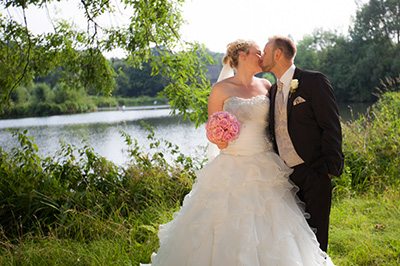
[288, 76]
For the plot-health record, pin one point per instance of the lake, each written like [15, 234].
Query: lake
[102, 130]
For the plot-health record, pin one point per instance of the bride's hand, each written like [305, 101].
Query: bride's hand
[222, 145]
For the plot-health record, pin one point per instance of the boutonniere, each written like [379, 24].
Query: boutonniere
[294, 84]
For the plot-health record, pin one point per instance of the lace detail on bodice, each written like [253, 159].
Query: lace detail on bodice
[253, 109]
[253, 116]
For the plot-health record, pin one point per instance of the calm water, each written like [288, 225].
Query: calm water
[101, 129]
[351, 111]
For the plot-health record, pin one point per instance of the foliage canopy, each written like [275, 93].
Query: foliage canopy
[357, 64]
[152, 25]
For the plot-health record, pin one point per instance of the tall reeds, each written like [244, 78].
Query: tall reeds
[372, 149]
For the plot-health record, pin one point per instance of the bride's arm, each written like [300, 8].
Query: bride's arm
[216, 104]
[216, 99]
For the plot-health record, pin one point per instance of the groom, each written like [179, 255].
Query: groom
[305, 128]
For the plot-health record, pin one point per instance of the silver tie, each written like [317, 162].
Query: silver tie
[285, 145]
[280, 97]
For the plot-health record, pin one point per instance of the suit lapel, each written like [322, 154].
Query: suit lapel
[272, 104]
[273, 93]
[296, 75]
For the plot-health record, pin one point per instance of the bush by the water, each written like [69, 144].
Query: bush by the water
[372, 148]
[42, 100]
[77, 207]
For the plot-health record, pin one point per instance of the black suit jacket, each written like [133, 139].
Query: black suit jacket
[313, 125]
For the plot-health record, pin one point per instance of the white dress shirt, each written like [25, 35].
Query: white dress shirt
[286, 79]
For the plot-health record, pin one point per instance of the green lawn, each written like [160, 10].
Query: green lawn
[365, 230]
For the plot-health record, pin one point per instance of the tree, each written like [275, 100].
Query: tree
[375, 46]
[134, 82]
[309, 51]
[153, 24]
[379, 19]
[357, 63]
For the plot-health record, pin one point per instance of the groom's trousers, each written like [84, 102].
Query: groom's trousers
[316, 192]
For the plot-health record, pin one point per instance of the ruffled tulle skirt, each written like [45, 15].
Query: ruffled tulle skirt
[242, 210]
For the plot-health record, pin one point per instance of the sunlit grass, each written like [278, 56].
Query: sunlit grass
[365, 229]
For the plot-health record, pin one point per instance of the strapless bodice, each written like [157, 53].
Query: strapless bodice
[252, 115]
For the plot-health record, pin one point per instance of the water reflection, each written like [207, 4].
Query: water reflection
[87, 118]
[102, 131]
[351, 111]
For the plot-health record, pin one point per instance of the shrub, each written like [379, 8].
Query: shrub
[371, 148]
[101, 101]
[71, 107]
[20, 95]
[40, 92]
[64, 196]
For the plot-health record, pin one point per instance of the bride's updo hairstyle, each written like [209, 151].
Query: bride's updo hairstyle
[233, 50]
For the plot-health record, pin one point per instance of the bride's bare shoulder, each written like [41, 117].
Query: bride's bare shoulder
[222, 87]
[219, 93]
[223, 84]
[264, 82]
[264, 85]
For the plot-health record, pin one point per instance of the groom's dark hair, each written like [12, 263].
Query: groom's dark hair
[285, 44]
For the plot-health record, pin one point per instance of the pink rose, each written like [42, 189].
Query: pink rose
[223, 123]
[221, 115]
[231, 119]
[233, 128]
[210, 136]
[228, 136]
[218, 133]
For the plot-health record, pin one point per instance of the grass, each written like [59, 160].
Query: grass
[117, 241]
[365, 230]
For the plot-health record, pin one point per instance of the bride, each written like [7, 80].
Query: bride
[242, 209]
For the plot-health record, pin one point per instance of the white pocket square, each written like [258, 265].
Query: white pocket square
[298, 100]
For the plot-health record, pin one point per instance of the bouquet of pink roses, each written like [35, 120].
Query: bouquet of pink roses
[222, 127]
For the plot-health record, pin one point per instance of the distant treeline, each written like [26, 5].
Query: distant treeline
[42, 99]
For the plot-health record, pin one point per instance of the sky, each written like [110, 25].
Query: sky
[219, 22]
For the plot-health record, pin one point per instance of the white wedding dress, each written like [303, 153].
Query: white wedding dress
[242, 209]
